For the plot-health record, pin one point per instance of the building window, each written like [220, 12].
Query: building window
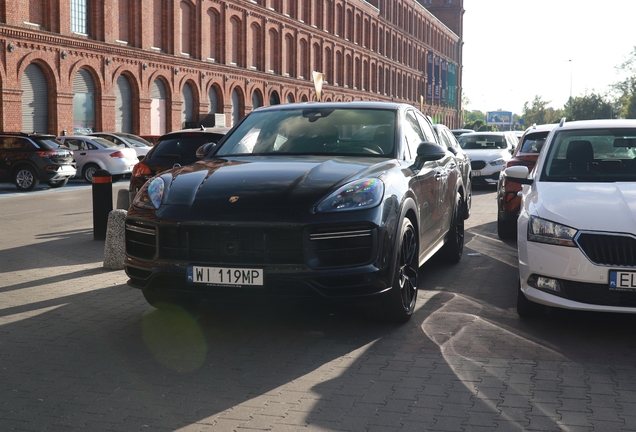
[79, 16]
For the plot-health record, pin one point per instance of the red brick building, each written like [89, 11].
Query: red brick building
[153, 66]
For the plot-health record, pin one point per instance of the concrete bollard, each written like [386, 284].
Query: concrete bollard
[123, 199]
[115, 246]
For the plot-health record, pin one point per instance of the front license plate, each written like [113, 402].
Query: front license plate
[622, 280]
[476, 173]
[225, 276]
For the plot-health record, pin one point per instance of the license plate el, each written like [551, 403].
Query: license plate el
[225, 276]
[476, 173]
[620, 280]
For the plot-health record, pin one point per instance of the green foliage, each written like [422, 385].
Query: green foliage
[540, 113]
[473, 116]
[588, 107]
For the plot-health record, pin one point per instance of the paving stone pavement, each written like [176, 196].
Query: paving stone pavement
[80, 350]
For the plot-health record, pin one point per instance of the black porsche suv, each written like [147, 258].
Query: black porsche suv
[28, 159]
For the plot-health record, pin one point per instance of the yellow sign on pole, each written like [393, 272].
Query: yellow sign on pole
[319, 78]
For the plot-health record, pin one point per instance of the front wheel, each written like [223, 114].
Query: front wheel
[399, 304]
[525, 307]
[25, 179]
[454, 247]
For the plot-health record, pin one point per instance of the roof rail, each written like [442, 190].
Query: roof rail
[562, 122]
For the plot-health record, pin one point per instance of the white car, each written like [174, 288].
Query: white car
[577, 226]
[94, 153]
[140, 145]
[488, 153]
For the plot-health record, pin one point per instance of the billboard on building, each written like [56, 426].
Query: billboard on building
[499, 118]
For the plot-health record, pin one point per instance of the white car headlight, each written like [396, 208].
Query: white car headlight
[150, 195]
[496, 162]
[360, 194]
[545, 231]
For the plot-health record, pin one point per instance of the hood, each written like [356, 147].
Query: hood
[263, 182]
[488, 155]
[586, 206]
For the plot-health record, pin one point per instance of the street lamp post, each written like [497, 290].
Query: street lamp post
[570, 61]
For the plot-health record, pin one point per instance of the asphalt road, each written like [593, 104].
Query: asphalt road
[80, 350]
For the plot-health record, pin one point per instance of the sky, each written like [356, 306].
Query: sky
[517, 49]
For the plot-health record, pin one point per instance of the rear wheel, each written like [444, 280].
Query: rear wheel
[57, 183]
[400, 303]
[25, 178]
[89, 171]
[525, 307]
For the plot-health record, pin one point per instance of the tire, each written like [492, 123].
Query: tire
[88, 172]
[25, 178]
[454, 247]
[506, 229]
[525, 307]
[161, 302]
[399, 304]
[57, 183]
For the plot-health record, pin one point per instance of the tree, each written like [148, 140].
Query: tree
[625, 91]
[588, 107]
[540, 113]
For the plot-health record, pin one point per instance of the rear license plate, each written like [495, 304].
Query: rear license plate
[227, 276]
[476, 173]
[622, 280]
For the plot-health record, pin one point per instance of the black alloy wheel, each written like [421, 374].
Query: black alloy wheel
[400, 303]
[25, 179]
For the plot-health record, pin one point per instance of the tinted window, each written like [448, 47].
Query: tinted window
[183, 144]
[482, 142]
[413, 133]
[533, 142]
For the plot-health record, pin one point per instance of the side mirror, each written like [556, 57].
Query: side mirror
[518, 174]
[204, 150]
[428, 151]
[453, 150]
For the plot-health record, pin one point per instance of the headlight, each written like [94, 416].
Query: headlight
[496, 162]
[150, 195]
[545, 231]
[360, 194]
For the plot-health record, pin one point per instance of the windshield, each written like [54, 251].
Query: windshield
[482, 142]
[592, 155]
[134, 140]
[339, 131]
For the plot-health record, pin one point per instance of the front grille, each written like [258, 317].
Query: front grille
[477, 165]
[608, 249]
[345, 248]
[231, 245]
[596, 294]
[141, 240]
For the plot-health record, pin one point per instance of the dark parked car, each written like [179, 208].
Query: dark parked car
[174, 148]
[447, 138]
[28, 159]
[508, 199]
[290, 203]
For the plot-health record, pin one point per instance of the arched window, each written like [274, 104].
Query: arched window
[256, 48]
[238, 108]
[35, 100]
[235, 41]
[257, 99]
[83, 102]
[187, 107]
[274, 98]
[304, 59]
[215, 35]
[290, 98]
[273, 49]
[157, 23]
[124, 17]
[123, 106]
[339, 69]
[340, 21]
[185, 27]
[329, 66]
[290, 59]
[317, 58]
[158, 96]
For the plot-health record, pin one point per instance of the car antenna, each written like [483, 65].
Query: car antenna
[202, 127]
[562, 122]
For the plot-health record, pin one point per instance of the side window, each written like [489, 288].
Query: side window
[22, 144]
[427, 129]
[5, 142]
[73, 144]
[109, 138]
[412, 134]
[445, 139]
[91, 146]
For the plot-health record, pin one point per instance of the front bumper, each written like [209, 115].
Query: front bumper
[583, 284]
